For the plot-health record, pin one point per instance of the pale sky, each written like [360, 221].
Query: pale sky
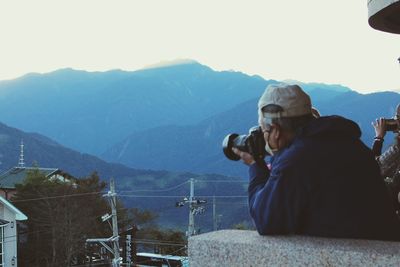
[309, 40]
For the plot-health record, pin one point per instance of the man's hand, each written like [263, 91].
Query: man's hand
[379, 126]
[247, 158]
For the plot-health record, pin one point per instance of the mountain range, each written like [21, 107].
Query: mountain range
[171, 117]
[165, 123]
[198, 148]
[134, 187]
[91, 111]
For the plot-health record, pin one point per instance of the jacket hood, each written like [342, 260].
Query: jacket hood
[332, 125]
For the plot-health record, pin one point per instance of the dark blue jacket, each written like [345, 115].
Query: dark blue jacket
[325, 183]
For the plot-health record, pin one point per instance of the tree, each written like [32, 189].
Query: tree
[62, 214]
[164, 241]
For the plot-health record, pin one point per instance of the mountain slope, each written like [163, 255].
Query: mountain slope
[43, 151]
[90, 111]
[198, 148]
[134, 186]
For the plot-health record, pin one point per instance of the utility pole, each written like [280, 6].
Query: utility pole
[114, 240]
[113, 202]
[191, 230]
[195, 207]
[128, 248]
[214, 215]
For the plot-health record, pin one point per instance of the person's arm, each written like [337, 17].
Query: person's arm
[276, 199]
[380, 132]
[377, 146]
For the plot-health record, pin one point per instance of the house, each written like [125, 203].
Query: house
[17, 175]
[9, 214]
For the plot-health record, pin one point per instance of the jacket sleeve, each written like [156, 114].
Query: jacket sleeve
[276, 199]
[377, 147]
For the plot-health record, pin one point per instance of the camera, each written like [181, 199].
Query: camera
[252, 143]
[392, 125]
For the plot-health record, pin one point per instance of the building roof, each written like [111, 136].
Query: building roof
[19, 216]
[3, 222]
[17, 175]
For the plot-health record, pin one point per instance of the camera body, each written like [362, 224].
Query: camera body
[252, 143]
[392, 125]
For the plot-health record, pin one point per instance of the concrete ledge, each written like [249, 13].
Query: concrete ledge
[248, 248]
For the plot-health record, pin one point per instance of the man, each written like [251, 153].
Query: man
[323, 181]
[389, 161]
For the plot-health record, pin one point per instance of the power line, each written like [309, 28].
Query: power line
[221, 181]
[155, 190]
[90, 264]
[152, 242]
[152, 196]
[226, 196]
[204, 196]
[133, 191]
[128, 195]
[59, 196]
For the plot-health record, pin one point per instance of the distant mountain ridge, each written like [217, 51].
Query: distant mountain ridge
[133, 185]
[198, 148]
[169, 117]
[91, 111]
[48, 153]
[167, 123]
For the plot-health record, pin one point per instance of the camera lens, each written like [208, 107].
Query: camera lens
[228, 144]
[252, 143]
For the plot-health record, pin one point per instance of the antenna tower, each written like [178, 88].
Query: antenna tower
[21, 162]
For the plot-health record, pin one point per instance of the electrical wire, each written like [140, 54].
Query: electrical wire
[130, 195]
[59, 196]
[155, 242]
[152, 196]
[204, 196]
[155, 190]
[221, 181]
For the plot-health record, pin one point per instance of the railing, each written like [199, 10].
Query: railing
[247, 248]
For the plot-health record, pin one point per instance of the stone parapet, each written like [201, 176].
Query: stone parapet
[247, 248]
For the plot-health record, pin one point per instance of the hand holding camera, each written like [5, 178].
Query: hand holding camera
[247, 158]
[252, 144]
[380, 128]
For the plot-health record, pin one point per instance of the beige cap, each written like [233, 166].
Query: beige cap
[294, 101]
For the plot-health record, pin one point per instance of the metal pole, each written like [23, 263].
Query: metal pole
[214, 215]
[116, 261]
[114, 240]
[128, 250]
[191, 209]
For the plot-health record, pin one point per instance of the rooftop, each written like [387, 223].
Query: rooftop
[17, 175]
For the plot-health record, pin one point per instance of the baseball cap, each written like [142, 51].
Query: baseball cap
[291, 98]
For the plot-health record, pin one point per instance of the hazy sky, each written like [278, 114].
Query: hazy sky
[326, 41]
